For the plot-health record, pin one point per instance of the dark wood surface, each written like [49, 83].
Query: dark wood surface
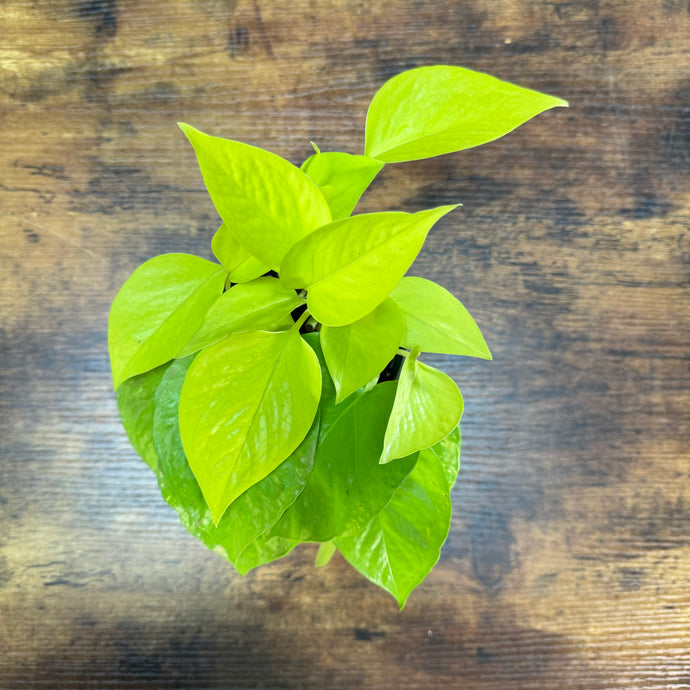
[568, 561]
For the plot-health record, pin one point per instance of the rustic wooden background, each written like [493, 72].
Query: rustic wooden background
[568, 561]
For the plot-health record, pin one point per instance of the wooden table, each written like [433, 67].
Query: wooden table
[568, 561]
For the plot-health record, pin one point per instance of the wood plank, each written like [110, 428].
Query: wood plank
[568, 561]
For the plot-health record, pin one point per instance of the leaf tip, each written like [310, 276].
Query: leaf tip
[189, 130]
[324, 554]
[216, 507]
[385, 457]
[216, 516]
[445, 210]
[485, 353]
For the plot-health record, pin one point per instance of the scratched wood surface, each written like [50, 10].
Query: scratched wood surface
[568, 561]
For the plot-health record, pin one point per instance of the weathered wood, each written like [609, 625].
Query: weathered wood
[568, 562]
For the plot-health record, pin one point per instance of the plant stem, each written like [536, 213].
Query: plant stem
[305, 315]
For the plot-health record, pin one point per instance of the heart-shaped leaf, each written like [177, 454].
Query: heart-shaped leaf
[240, 264]
[252, 513]
[246, 404]
[436, 321]
[347, 486]
[262, 304]
[399, 547]
[439, 109]
[358, 352]
[158, 310]
[267, 202]
[428, 406]
[348, 267]
[342, 178]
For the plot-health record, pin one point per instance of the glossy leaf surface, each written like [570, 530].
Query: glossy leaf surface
[428, 406]
[262, 304]
[246, 404]
[439, 109]
[268, 203]
[447, 452]
[252, 513]
[358, 352]
[157, 311]
[136, 404]
[347, 486]
[436, 321]
[342, 178]
[399, 547]
[349, 267]
[241, 265]
[263, 550]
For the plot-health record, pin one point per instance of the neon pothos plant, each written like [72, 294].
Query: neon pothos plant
[263, 389]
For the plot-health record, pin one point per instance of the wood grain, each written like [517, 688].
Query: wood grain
[568, 561]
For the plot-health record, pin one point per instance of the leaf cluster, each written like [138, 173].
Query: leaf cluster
[259, 388]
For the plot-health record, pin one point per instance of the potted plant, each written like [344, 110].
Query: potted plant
[278, 394]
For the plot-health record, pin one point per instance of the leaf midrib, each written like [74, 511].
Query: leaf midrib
[167, 318]
[432, 326]
[256, 410]
[360, 257]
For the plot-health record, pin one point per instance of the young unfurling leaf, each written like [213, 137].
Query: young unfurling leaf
[342, 178]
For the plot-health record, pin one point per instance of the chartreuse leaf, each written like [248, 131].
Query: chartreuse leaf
[358, 352]
[247, 402]
[135, 401]
[252, 513]
[428, 406]
[236, 259]
[434, 110]
[158, 309]
[436, 321]
[347, 486]
[349, 266]
[401, 544]
[447, 452]
[342, 178]
[268, 203]
[324, 554]
[261, 304]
